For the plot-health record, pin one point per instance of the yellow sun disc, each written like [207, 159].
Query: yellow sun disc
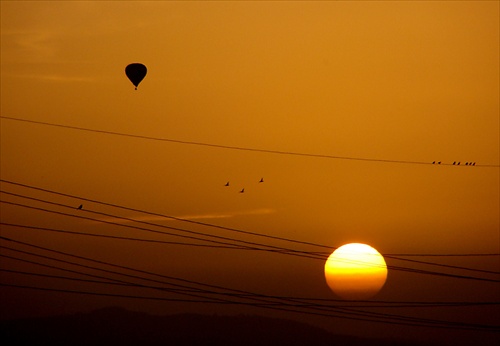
[355, 271]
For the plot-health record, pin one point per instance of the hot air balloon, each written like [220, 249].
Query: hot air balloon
[136, 73]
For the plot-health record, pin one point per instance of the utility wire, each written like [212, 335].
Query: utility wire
[189, 282]
[338, 303]
[219, 246]
[436, 324]
[165, 216]
[185, 292]
[220, 146]
[443, 255]
[119, 237]
[345, 312]
[443, 265]
[80, 198]
[256, 246]
[282, 250]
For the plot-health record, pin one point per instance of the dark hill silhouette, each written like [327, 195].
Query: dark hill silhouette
[116, 326]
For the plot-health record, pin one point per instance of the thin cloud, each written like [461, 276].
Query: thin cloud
[30, 46]
[58, 78]
[262, 211]
[157, 218]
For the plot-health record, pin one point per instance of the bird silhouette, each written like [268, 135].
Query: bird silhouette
[433, 162]
[242, 190]
[227, 184]
[458, 163]
[439, 162]
[261, 180]
[454, 162]
[80, 207]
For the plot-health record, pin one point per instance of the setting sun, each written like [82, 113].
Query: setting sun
[355, 271]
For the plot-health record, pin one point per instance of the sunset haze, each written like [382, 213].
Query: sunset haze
[367, 122]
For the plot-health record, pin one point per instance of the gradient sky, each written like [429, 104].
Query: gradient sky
[401, 84]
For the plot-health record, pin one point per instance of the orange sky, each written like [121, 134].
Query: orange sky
[397, 81]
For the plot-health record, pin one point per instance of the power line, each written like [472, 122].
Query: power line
[221, 146]
[240, 293]
[185, 292]
[105, 294]
[271, 247]
[254, 245]
[423, 322]
[356, 304]
[284, 304]
[184, 282]
[443, 255]
[167, 216]
[119, 237]
[281, 250]
[219, 246]
[267, 248]
[443, 265]
[81, 198]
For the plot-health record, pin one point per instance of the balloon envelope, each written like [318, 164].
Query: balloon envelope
[136, 73]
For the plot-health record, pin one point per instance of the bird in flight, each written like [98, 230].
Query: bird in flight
[80, 207]
[242, 190]
[261, 180]
[227, 184]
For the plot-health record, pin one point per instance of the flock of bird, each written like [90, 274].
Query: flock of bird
[80, 207]
[243, 189]
[456, 163]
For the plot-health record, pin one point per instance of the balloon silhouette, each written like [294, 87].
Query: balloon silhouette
[136, 73]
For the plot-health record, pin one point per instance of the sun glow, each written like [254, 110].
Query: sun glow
[355, 271]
